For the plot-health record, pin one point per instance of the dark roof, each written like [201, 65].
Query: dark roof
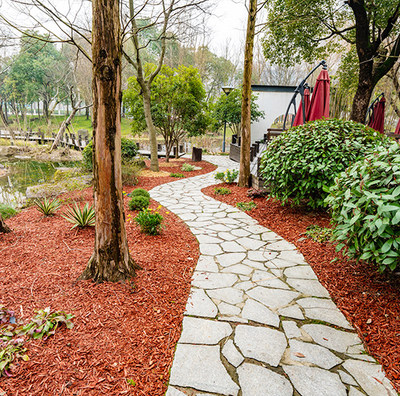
[273, 88]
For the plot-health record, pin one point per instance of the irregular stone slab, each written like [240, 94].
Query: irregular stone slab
[281, 246]
[310, 302]
[232, 355]
[261, 343]
[292, 312]
[367, 358]
[261, 255]
[218, 227]
[308, 287]
[290, 328]
[239, 269]
[272, 298]
[200, 367]
[254, 264]
[278, 263]
[199, 304]
[312, 353]
[229, 259]
[257, 312]
[174, 392]
[210, 280]
[347, 378]
[259, 381]
[210, 249]
[371, 377]
[203, 331]
[328, 337]
[227, 236]
[255, 229]
[208, 239]
[300, 272]
[250, 243]
[246, 285]
[228, 309]
[235, 319]
[207, 264]
[232, 247]
[270, 236]
[264, 278]
[228, 294]
[312, 381]
[293, 255]
[355, 392]
[240, 232]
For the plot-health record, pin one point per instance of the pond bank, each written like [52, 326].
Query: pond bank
[39, 153]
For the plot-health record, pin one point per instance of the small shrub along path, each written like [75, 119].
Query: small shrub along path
[369, 300]
[124, 335]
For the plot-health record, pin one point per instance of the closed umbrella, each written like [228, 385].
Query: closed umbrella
[298, 120]
[319, 106]
[377, 120]
[397, 131]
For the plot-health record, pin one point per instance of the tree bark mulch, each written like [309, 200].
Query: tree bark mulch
[124, 335]
[369, 300]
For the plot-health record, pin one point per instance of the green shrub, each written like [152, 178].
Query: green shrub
[7, 211]
[176, 175]
[365, 206]
[187, 168]
[246, 206]
[128, 152]
[149, 221]
[222, 191]
[139, 192]
[319, 234]
[139, 202]
[302, 163]
[47, 207]
[229, 176]
[80, 217]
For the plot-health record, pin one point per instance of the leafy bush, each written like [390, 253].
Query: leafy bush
[319, 234]
[7, 211]
[149, 221]
[229, 176]
[139, 192]
[222, 191]
[139, 202]
[130, 172]
[47, 207]
[302, 163]
[80, 217]
[246, 206]
[176, 175]
[128, 152]
[365, 206]
[187, 168]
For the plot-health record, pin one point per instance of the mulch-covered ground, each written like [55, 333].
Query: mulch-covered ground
[370, 301]
[124, 335]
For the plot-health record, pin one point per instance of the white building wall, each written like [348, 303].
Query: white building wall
[274, 102]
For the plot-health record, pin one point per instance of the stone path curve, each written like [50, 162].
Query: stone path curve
[258, 322]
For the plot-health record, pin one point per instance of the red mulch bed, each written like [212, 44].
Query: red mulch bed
[369, 300]
[121, 331]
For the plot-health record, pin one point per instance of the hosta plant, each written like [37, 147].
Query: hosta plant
[301, 164]
[229, 176]
[365, 207]
[187, 168]
[149, 221]
[47, 207]
[80, 217]
[246, 206]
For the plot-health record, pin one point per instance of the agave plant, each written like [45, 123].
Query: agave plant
[47, 207]
[80, 217]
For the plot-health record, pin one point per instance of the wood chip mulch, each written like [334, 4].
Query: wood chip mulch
[369, 300]
[124, 335]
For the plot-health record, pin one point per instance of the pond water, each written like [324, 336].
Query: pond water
[21, 174]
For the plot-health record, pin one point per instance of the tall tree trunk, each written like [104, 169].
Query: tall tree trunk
[87, 112]
[363, 94]
[244, 174]
[111, 260]
[150, 126]
[3, 226]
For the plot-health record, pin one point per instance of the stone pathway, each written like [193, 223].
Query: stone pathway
[258, 322]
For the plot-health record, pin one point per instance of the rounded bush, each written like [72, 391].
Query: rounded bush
[128, 152]
[365, 206]
[139, 203]
[301, 164]
[139, 192]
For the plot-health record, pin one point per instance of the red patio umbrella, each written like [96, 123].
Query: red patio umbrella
[298, 120]
[397, 131]
[377, 120]
[319, 106]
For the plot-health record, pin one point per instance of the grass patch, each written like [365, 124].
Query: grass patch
[222, 191]
[246, 206]
[7, 211]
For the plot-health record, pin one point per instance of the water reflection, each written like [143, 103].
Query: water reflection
[21, 174]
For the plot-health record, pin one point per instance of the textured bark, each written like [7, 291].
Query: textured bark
[111, 260]
[3, 226]
[150, 126]
[363, 93]
[244, 174]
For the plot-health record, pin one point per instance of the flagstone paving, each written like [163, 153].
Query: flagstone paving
[258, 322]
